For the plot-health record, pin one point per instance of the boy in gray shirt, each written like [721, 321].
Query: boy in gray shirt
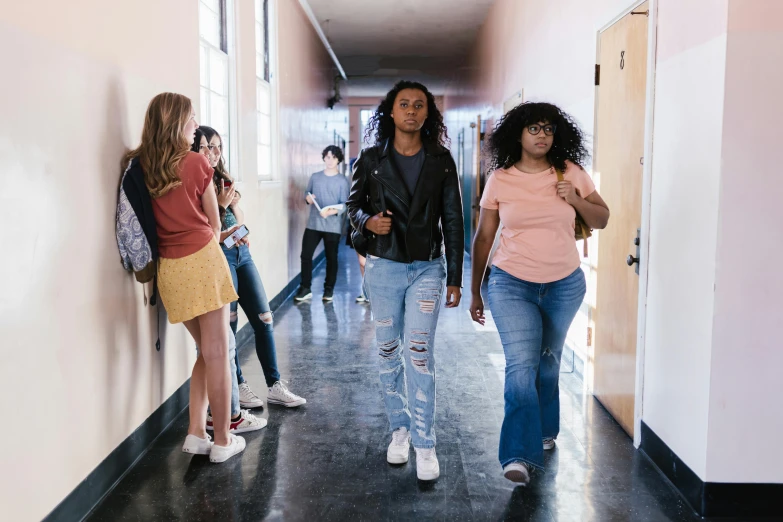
[327, 191]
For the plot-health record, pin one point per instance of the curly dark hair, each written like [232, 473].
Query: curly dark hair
[381, 125]
[336, 151]
[505, 148]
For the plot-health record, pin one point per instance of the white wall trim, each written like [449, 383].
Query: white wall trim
[233, 91]
[641, 322]
[641, 318]
[317, 26]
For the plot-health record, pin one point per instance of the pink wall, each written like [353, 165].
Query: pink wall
[306, 126]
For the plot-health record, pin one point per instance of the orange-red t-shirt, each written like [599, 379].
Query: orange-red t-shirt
[537, 241]
[183, 227]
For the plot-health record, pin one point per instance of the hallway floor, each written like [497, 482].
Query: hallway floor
[326, 460]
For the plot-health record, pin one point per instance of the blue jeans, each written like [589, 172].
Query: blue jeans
[232, 355]
[253, 300]
[406, 300]
[533, 320]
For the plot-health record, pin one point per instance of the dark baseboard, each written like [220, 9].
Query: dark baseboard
[712, 499]
[89, 493]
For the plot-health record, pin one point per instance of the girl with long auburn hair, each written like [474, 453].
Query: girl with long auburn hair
[193, 277]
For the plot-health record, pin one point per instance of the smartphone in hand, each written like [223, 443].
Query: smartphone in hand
[232, 240]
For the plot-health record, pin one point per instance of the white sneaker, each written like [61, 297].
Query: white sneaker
[223, 453]
[280, 394]
[400, 447]
[248, 399]
[427, 467]
[246, 422]
[518, 472]
[549, 444]
[197, 446]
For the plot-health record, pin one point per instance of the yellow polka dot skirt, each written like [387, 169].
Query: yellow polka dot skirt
[194, 285]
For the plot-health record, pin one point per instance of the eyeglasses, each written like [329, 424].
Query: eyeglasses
[549, 130]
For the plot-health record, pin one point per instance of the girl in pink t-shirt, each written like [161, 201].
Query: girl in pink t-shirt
[536, 285]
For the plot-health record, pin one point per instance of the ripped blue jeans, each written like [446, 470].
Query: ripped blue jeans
[406, 300]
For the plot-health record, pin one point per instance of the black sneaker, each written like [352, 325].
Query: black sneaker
[328, 295]
[303, 294]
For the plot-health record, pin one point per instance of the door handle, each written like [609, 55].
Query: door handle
[634, 260]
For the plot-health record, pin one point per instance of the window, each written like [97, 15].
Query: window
[214, 63]
[264, 93]
[364, 117]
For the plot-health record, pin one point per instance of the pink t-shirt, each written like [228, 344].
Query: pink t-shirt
[537, 241]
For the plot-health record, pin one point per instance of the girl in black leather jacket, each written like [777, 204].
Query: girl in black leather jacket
[406, 211]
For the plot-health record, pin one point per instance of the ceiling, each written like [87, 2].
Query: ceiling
[381, 41]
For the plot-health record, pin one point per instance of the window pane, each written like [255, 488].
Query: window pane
[212, 4]
[264, 97]
[218, 113]
[259, 10]
[202, 60]
[260, 66]
[218, 72]
[264, 161]
[209, 25]
[264, 129]
[259, 38]
[204, 107]
[225, 152]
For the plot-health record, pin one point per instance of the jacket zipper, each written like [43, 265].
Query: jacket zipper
[430, 236]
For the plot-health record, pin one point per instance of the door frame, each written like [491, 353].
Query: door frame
[649, 113]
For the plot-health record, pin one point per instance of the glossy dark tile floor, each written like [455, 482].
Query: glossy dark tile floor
[326, 460]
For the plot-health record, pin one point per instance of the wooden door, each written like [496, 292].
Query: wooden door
[619, 147]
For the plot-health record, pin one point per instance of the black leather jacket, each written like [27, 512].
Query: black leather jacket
[420, 224]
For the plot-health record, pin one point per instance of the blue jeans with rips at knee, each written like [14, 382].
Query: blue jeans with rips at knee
[533, 320]
[232, 351]
[406, 300]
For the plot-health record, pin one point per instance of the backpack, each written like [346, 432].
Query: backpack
[137, 235]
[137, 232]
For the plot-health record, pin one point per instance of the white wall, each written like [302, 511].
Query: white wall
[683, 237]
[746, 385]
[80, 372]
[77, 340]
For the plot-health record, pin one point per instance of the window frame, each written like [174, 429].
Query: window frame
[266, 17]
[226, 48]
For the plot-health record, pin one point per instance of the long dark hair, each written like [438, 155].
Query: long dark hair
[220, 170]
[505, 147]
[381, 126]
